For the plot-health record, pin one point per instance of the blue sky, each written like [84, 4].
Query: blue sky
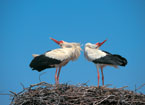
[26, 25]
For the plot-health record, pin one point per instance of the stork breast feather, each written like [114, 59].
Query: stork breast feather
[59, 54]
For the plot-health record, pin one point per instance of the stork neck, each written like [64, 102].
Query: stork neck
[76, 53]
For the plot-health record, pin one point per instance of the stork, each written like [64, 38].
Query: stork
[56, 58]
[102, 58]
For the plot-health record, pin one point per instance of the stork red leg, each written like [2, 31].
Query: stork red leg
[98, 75]
[102, 75]
[58, 74]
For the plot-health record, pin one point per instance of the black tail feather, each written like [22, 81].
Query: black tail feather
[120, 60]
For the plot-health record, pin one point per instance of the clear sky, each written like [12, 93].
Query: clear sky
[26, 25]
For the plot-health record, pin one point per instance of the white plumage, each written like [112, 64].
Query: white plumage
[56, 58]
[60, 54]
[92, 52]
[102, 58]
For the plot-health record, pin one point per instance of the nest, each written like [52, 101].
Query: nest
[64, 94]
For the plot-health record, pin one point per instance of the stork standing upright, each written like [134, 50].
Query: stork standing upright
[56, 58]
[102, 58]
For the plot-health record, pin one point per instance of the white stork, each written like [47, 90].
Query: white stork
[56, 58]
[102, 58]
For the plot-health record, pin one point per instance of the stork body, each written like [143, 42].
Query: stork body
[56, 58]
[102, 58]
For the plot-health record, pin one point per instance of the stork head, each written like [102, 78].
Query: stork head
[100, 44]
[65, 44]
[90, 45]
[58, 42]
[94, 46]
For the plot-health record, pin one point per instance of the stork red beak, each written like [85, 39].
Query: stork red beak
[58, 42]
[100, 44]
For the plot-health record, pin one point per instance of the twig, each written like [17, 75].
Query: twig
[104, 99]
[107, 85]
[85, 84]
[13, 93]
[5, 94]
[133, 96]
[135, 88]
[139, 87]
[37, 84]
[41, 75]
[123, 87]
[22, 86]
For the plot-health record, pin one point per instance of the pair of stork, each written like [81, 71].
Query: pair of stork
[71, 51]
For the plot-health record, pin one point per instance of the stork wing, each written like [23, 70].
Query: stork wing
[42, 62]
[59, 54]
[111, 59]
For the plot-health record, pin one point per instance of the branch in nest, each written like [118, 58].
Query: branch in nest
[123, 87]
[5, 94]
[136, 89]
[103, 100]
[13, 93]
[107, 85]
[41, 75]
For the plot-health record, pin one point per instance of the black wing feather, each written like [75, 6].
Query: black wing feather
[111, 59]
[42, 62]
